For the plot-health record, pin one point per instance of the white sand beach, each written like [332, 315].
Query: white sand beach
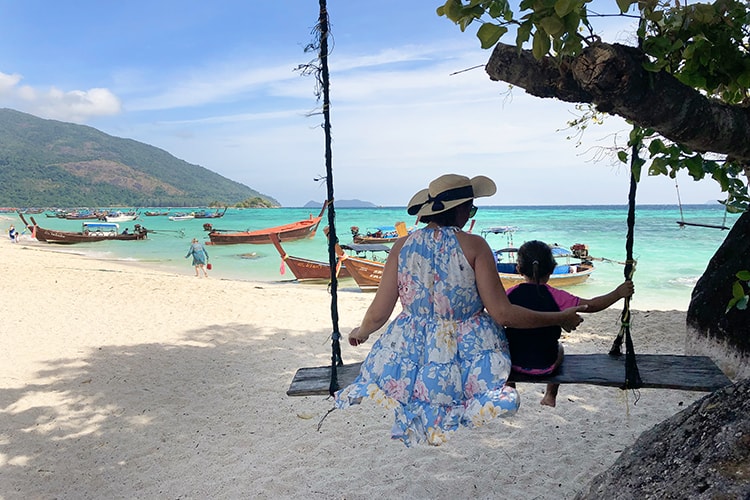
[121, 381]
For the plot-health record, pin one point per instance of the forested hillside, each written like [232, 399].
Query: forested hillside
[46, 163]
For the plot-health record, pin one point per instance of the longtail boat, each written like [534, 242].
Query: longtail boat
[307, 269]
[299, 230]
[205, 214]
[571, 272]
[380, 234]
[367, 273]
[91, 231]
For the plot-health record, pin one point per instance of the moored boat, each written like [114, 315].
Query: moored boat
[298, 230]
[119, 216]
[307, 269]
[182, 216]
[83, 215]
[575, 270]
[205, 214]
[380, 234]
[90, 232]
[367, 273]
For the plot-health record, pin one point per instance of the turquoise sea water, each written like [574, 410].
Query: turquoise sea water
[670, 258]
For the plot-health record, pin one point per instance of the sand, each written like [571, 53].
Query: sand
[120, 381]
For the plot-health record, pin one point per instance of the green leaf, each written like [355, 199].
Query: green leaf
[563, 7]
[737, 290]
[490, 33]
[658, 166]
[452, 9]
[624, 5]
[636, 168]
[742, 304]
[656, 147]
[694, 165]
[540, 45]
[553, 25]
[622, 156]
[743, 275]
[732, 302]
[523, 33]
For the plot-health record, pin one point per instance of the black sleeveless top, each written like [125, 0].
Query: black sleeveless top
[533, 347]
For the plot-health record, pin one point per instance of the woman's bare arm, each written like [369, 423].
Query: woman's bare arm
[385, 299]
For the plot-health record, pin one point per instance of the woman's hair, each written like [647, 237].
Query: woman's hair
[447, 218]
[535, 260]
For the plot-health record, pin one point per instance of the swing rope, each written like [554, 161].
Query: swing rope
[632, 376]
[319, 68]
[323, 29]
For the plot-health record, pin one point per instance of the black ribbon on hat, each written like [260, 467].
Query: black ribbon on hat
[437, 200]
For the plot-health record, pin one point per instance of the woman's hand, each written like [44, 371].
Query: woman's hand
[356, 338]
[571, 319]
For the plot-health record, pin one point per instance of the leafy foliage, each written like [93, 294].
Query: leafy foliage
[703, 45]
[255, 202]
[740, 291]
[47, 163]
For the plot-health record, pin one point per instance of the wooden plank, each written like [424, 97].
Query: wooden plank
[658, 371]
[317, 380]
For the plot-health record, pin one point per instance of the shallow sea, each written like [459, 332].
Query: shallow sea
[670, 258]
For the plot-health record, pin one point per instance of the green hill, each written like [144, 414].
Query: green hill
[45, 163]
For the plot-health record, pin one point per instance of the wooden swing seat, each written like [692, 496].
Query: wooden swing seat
[658, 371]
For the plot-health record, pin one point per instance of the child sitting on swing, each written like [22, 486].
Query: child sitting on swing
[536, 351]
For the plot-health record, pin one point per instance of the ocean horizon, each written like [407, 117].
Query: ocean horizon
[670, 258]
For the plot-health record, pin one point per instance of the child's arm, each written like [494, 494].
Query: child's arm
[602, 302]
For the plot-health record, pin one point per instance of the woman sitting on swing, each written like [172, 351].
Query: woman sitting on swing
[443, 361]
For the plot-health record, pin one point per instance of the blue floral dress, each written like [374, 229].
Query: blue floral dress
[443, 362]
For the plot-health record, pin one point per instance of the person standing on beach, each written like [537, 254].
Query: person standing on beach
[12, 233]
[200, 257]
[537, 351]
[443, 361]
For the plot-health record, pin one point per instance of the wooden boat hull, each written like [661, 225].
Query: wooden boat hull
[307, 269]
[288, 232]
[581, 274]
[366, 273]
[369, 240]
[70, 237]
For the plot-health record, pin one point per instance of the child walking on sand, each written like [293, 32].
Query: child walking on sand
[537, 351]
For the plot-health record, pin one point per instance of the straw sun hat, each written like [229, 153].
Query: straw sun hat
[448, 191]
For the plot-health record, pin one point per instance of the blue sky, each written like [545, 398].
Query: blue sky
[213, 83]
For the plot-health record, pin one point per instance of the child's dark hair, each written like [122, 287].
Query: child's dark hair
[535, 260]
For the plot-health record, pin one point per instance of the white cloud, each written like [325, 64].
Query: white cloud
[8, 83]
[72, 106]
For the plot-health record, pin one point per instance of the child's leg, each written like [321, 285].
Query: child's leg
[550, 395]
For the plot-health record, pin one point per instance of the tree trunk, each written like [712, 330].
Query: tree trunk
[725, 336]
[612, 77]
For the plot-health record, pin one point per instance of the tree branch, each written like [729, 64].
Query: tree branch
[612, 77]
